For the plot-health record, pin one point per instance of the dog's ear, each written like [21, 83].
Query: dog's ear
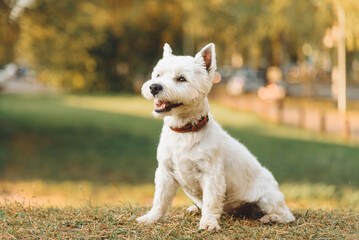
[167, 51]
[207, 56]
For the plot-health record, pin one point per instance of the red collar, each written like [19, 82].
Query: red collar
[189, 127]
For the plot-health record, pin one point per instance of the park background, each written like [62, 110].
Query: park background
[76, 139]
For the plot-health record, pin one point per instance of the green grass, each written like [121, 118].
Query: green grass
[114, 139]
[109, 222]
[44, 138]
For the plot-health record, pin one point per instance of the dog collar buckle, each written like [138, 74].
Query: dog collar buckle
[195, 128]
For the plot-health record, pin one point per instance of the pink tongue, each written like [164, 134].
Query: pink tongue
[159, 104]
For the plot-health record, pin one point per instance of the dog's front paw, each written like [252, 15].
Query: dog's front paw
[149, 218]
[209, 224]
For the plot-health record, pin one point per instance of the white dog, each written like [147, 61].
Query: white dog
[217, 172]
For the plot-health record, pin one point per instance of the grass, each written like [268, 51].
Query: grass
[44, 138]
[109, 222]
[72, 166]
[115, 138]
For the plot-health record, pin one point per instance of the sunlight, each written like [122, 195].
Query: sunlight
[131, 105]
[86, 193]
[79, 193]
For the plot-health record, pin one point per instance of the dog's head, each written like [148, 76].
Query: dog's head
[179, 83]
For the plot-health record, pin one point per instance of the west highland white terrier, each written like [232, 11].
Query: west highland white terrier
[216, 171]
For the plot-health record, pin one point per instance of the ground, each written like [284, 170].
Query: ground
[83, 166]
[108, 222]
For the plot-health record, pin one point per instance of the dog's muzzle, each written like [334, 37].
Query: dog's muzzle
[155, 89]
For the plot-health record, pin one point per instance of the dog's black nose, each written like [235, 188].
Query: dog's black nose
[155, 89]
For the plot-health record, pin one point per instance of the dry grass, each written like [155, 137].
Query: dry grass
[18, 221]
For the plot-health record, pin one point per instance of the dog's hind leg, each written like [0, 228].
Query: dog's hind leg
[192, 209]
[197, 203]
[197, 206]
[273, 205]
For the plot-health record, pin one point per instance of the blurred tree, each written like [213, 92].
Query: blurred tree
[135, 39]
[269, 30]
[107, 45]
[55, 37]
[289, 24]
[351, 9]
[9, 31]
[96, 45]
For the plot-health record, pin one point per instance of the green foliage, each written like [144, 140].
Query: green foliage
[111, 45]
[350, 8]
[95, 45]
[272, 31]
[9, 31]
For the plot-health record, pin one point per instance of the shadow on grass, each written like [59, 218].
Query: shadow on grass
[50, 141]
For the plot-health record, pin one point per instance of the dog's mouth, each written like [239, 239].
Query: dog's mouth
[165, 106]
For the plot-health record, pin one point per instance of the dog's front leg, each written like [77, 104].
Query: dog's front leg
[166, 188]
[214, 187]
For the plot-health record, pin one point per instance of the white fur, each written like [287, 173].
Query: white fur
[217, 172]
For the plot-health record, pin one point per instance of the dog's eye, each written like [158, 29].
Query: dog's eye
[181, 79]
[158, 75]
